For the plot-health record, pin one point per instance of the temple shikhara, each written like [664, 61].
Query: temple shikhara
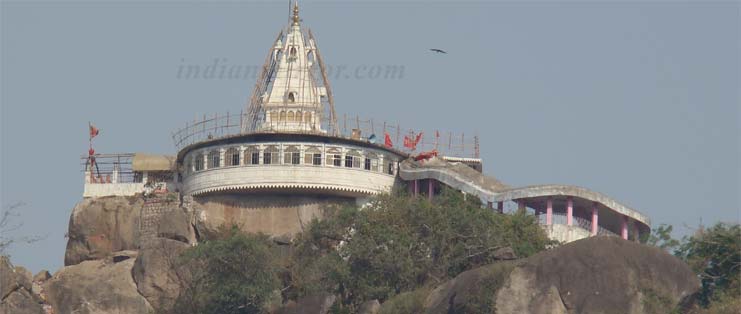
[275, 164]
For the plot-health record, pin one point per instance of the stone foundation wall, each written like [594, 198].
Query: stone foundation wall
[272, 214]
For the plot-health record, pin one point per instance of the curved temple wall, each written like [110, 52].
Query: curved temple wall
[331, 169]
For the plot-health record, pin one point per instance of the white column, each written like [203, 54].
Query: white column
[242, 149]
[222, 158]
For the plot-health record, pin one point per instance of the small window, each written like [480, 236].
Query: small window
[290, 155]
[296, 158]
[334, 158]
[390, 169]
[199, 162]
[293, 52]
[290, 116]
[255, 158]
[367, 164]
[317, 159]
[291, 98]
[271, 156]
[310, 156]
[232, 157]
[348, 161]
[252, 156]
[282, 116]
[214, 159]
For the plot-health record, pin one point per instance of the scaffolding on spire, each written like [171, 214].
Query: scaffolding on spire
[292, 93]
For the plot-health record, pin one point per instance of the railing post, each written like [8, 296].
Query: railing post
[595, 219]
[569, 211]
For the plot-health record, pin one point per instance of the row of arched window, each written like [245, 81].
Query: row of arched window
[290, 116]
[292, 155]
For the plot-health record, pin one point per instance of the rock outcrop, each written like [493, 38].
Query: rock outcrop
[100, 226]
[594, 275]
[156, 273]
[597, 275]
[16, 296]
[99, 286]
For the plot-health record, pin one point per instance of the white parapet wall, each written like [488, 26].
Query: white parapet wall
[328, 178]
[112, 189]
[564, 233]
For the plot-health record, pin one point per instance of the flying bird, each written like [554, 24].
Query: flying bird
[437, 50]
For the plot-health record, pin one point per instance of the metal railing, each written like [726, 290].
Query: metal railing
[106, 168]
[217, 126]
[586, 224]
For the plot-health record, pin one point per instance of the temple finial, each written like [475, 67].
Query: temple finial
[295, 14]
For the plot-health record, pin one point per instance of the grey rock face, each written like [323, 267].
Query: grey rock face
[101, 226]
[596, 275]
[15, 290]
[155, 273]
[99, 286]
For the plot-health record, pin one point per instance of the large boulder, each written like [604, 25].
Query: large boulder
[592, 276]
[314, 304]
[100, 226]
[598, 275]
[175, 225]
[99, 286]
[468, 292]
[16, 296]
[156, 274]
[280, 216]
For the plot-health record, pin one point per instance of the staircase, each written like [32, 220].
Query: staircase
[154, 208]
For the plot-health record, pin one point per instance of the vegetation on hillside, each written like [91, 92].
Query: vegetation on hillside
[396, 245]
[714, 254]
[399, 244]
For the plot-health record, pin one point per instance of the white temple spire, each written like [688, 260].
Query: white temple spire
[291, 94]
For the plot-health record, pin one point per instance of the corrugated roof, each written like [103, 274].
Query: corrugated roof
[147, 162]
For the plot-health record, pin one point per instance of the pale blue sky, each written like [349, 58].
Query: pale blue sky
[638, 100]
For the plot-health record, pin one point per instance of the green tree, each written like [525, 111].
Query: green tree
[661, 237]
[715, 255]
[399, 244]
[235, 274]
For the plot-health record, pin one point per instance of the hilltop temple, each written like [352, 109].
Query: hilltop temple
[273, 166]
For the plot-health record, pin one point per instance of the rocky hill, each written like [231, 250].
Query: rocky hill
[118, 261]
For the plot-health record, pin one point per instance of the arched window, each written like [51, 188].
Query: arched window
[352, 159]
[198, 162]
[334, 158]
[313, 156]
[310, 56]
[252, 156]
[282, 116]
[214, 159]
[291, 156]
[299, 116]
[290, 116]
[271, 156]
[232, 157]
[307, 117]
[291, 97]
[293, 52]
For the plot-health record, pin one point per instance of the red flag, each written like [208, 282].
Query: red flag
[388, 140]
[416, 140]
[408, 142]
[93, 131]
